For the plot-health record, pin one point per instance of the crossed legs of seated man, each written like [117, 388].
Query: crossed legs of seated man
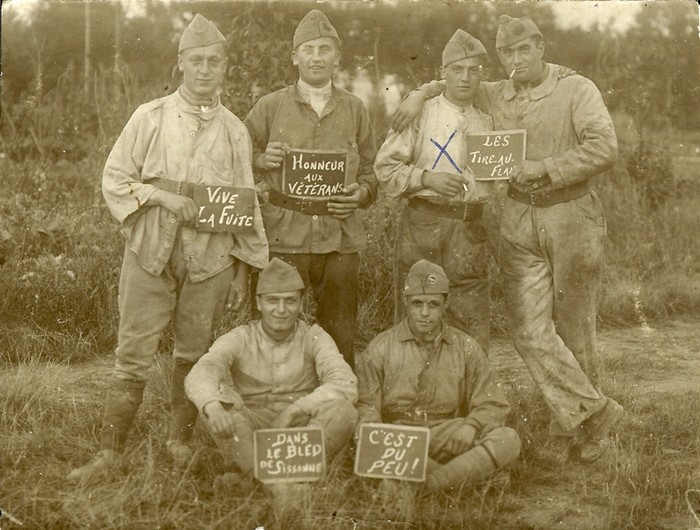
[233, 430]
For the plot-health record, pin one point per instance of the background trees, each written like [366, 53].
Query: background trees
[74, 71]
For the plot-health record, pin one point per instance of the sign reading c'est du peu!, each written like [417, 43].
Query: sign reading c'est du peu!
[494, 155]
[289, 455]
[314, 174]
[386, 450]
[224, 209]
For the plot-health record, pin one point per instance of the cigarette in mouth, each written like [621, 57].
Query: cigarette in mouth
[511, 74]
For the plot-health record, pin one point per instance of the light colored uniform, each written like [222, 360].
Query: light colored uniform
[552, 256]
[456, 245]
[168, 266]
[258, 377]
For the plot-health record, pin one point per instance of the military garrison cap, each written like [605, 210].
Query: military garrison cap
[426, 278]
[314, 25]
[512, 30]
[278, 277]
[200, 32]
[461, 46]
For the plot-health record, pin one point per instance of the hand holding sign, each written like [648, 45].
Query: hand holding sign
[342, 206]
[530, 173]
[273, 156]
[182, 207]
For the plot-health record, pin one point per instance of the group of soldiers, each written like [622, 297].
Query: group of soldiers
[431, 369]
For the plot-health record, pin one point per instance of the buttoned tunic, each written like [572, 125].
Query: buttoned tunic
[172, 139]
[551, 257]
[400, 381]
[284, 116]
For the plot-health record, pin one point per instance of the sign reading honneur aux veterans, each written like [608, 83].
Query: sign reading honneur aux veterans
[319, 174]
[494, 155]
[289, 455]
[224, 208]
[392, 451]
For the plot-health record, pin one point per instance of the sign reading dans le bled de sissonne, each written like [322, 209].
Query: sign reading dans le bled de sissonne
[289, 455]
[314, 174]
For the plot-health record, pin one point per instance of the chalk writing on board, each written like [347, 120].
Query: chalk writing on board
[224, 208]
[289, 455]
[319, 174]
[392, 451]
[494, 155]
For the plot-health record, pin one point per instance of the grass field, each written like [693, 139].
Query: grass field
[59, 262]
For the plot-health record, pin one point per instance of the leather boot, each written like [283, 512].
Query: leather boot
[183, 415]
[121, 404]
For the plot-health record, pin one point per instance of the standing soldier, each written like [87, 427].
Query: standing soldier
[553, 231]
[442, 220]
[173, 270]
[320, 237]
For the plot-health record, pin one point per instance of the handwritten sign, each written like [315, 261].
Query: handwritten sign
[289, 455]
[224, 209]
[319, 174]
[392, 451]
[494, 155]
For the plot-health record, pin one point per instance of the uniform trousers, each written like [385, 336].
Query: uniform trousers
[337, 418]
[148, 303]
[551, 261]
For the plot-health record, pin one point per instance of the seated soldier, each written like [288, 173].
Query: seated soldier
[424, 372]
[283, 373]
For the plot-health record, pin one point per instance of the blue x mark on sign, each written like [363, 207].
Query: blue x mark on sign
[443, 151]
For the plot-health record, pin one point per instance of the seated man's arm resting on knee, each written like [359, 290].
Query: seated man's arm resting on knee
[203, 383]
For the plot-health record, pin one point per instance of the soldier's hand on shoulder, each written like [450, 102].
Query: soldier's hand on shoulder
[182, 207]
[342, 206]
[273, 157]
[446, 184]
[408, 110]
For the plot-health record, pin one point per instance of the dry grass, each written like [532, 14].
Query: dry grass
[50, 417]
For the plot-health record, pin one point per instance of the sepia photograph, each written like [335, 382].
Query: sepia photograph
[378, 265]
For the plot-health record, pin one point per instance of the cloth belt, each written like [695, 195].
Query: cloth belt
[543, 199]
[298, 204]
[415, 416]
[466, 211]
[177, 187]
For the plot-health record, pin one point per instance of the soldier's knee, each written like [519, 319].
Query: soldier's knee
[505, 444]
